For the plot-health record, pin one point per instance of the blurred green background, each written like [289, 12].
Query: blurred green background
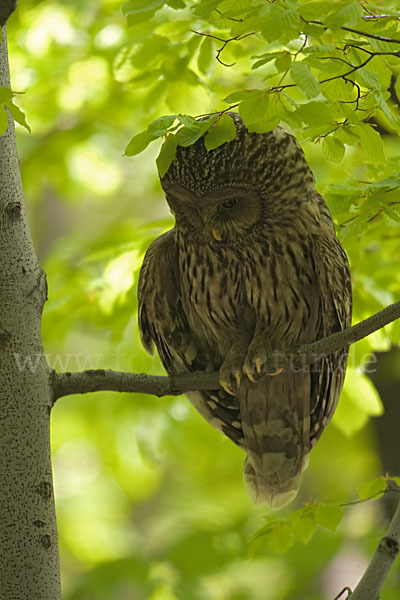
[150, 499]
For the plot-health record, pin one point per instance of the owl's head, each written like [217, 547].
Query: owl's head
[224, 214]
[231, 191]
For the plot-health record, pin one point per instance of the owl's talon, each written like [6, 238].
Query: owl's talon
[250, 375]
[238, 377]
[227, 388]
[259, 364]
[277, 372]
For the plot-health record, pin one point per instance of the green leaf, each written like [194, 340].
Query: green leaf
[304, 79]
[346, 135]
[222, 131]
[370, 140]
[156, 129]
[205, 56]
[203, 8]
[17, 115]
[281, 21]
[372, 489]
[166, 155]
[187, 120]
[368, 79]
[138, 143]
[337, 89]
[280, 537]
[264, 59]
[316, 112]
[382, 70]
[237, 96]
[304, 527]
[392, 211]
[232, 8]
[139, 18]
[329, 515]
[141, 6]
[160, 126]
[314, 10]
[176, 4]
[189, 134]
[261, 112]
[333, 149]
[380, 98]
[320, 48]
[5, 94]
[397, 87]
[3, 120]
[347, 15]
[283, 61]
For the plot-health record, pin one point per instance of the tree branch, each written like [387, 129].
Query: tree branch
[98, 380]
[371, 582]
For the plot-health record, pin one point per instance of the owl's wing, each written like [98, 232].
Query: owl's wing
[327, 374]
[162, 321]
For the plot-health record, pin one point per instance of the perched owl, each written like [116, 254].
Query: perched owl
[252, 265]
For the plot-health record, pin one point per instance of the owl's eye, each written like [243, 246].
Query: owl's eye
[229, 203]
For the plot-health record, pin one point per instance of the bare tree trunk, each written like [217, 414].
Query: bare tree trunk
[29, 564]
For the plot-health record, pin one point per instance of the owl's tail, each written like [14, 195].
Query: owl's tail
[271, 486]
[276, 429]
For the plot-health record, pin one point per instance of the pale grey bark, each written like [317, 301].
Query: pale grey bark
[370, 585]
[98, 380]
[29, 564]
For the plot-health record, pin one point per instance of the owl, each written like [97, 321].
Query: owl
[252, 265]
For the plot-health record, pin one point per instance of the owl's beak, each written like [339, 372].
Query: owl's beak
[216, 234]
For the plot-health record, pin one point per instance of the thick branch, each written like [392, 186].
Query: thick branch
[374, 577]
[83, 382]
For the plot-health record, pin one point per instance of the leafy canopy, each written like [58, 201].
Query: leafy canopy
[325, 79]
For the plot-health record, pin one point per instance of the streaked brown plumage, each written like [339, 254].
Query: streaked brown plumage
[252, 265]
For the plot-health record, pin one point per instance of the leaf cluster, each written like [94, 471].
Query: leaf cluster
[329, 79]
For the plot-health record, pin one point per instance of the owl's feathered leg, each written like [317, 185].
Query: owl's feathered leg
[275, 420]
[257, 355]
[231, 371]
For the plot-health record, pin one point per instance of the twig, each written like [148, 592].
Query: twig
[357, 100]
[237, 38]
[340, 594]
[279, 88]
[381, 38]
[372, 16]
[229, 18]
[83, 382]
[377, 53]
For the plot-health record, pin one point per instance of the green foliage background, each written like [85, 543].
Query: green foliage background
[150, 499]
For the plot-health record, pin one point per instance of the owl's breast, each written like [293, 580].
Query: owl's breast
[214, 298]
[269, 285]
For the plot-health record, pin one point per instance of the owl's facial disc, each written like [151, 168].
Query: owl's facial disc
[227, 204]
[230, 212]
